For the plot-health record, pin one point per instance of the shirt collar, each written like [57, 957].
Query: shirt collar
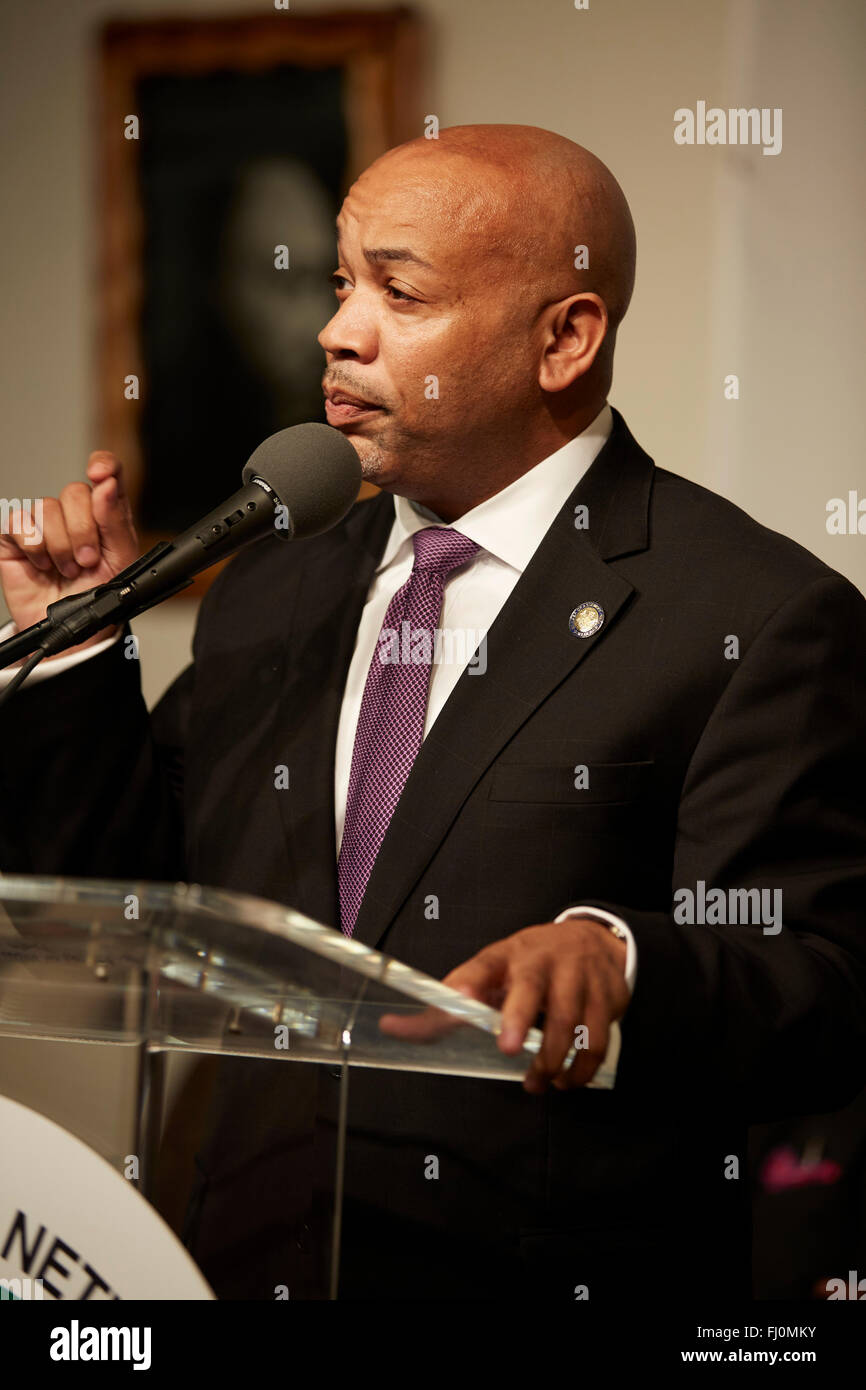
[511, 524]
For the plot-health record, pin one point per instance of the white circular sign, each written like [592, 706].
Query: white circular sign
[71, 1227]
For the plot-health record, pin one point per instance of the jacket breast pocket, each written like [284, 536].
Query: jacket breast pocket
[580, 785]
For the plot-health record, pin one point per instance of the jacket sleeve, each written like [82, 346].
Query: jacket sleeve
[91, 783]
[774, 798]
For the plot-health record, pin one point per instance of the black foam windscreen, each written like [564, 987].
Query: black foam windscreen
[315, 473]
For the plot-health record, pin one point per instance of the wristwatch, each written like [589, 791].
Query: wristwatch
[597, 914]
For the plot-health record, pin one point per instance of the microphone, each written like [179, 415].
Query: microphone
[297, 483]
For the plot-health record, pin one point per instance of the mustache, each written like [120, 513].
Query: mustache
[338, 381]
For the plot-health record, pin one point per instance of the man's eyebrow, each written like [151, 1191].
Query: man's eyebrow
[378, 254]
[395, 253]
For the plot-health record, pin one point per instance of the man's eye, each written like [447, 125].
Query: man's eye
[341, 283]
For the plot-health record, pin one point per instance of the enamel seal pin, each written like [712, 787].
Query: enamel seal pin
[586, 619]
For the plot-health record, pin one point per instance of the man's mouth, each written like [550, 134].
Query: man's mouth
[342, 408]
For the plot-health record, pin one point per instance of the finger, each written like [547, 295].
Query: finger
[80, 525]
[426, 1026]
[111, 508]
[23, 539]
[475, 978]
[597, 1020]
[483, 974]
[563, 1010]
[525, 997]
[56, 539]
[102, 465]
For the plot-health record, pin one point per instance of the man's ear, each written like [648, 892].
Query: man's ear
[574, 333]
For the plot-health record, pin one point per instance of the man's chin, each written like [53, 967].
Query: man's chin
[373, 459]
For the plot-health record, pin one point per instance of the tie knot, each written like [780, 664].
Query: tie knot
[441, 550]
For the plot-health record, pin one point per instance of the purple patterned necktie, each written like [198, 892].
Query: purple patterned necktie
[391, 722]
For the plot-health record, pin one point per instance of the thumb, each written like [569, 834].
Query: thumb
[111, 508]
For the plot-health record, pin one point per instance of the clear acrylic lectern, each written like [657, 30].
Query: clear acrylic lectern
[120, 979]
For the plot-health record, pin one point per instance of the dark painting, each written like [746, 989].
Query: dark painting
[246, 134]
[232, 166]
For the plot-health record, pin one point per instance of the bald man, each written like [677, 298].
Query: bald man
[629, 809]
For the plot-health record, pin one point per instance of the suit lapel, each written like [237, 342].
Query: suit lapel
[530, 651]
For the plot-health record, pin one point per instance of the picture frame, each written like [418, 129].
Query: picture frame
[211, 133]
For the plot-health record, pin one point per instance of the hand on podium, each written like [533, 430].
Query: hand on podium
[572, 971]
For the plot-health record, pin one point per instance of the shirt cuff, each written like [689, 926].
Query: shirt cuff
[599, 915]
[44, 670]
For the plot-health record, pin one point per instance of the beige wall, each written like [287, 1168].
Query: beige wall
[746, 264]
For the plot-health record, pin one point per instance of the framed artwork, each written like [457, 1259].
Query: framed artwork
[225, 149]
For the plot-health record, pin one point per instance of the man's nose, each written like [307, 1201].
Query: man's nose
[350, 333]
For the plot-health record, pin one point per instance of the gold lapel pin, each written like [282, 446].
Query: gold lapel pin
[586, 619]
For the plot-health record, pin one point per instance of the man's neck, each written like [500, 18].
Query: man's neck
[452, 496]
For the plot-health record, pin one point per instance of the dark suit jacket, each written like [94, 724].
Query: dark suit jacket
[745, 772]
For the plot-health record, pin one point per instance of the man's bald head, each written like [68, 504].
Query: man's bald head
[533, 196]
[463, 317]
